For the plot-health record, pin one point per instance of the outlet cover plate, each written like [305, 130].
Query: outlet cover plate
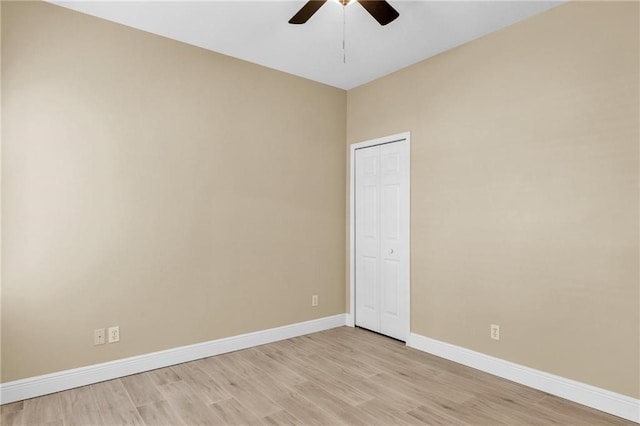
[495, 332]
[98, 336]
[114, 334]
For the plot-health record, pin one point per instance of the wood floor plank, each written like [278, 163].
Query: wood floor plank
[580, 414]
[279, 370]
[419, 391]
[344, 411]
[472, 415]
[471, 379]
[43, 409]
[80, 407]
[427, 415]
[115, 405]
[508, 410]
[210, 390]
[141, 389]
[12, 414]
[307, 411]
[397, 399]
[333, 382]
[233, 412]
[240, 388]
[282, 418]
[187, 405]
[296, 362]
[480, 387]
[319, 343]
[12, 418]
[386, 413]
[355, 363]
[11, 407]
[123, 417]
[388, 361]
[296, 347]
[327, 374]
[162, 376]
[324, 372]
[158, 413]
[267, 384]
[343, 376]
[238, 364]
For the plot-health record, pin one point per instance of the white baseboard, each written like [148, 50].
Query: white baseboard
[69, 379]
[591, 396]
[350, 320]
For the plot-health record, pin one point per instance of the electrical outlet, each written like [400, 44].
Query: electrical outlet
[314, 300]
[495, 332]
[98, 336]
[114, 334]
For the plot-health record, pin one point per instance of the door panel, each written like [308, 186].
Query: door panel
[391, 212]
[370, 276]
[381, 238]
[390, 285]
[370, 205]
[368, 240]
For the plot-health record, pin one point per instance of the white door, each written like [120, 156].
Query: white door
[382, 238]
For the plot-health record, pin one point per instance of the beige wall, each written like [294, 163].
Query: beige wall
[180, 194]
[524, 190]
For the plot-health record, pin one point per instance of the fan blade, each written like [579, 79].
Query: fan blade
[380, 10]
[307, 11]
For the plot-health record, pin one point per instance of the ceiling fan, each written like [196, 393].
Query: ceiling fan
[379, 9]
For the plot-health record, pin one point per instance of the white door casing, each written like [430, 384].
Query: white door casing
[380, 248]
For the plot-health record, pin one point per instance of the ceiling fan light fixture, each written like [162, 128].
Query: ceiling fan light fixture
[381, 11]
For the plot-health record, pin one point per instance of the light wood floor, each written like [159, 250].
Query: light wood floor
[341, 376]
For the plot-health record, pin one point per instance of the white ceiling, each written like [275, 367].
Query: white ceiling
[258, 31]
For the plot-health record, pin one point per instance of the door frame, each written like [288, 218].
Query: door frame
[406, 136]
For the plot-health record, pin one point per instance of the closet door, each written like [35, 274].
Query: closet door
[381, 251]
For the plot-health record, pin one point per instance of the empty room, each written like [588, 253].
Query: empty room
[334, 212]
